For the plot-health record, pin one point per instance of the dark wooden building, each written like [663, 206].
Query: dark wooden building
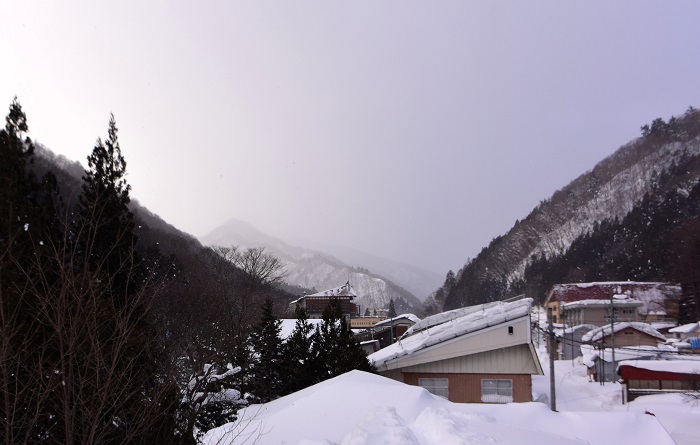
[316, 303]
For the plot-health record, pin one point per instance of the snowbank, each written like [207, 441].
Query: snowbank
[358, 408]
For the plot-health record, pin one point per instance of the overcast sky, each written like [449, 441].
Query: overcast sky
[417, 131]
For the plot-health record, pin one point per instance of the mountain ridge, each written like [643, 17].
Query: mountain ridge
[315, 270]
[661, 162]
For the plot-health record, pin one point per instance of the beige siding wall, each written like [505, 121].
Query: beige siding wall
[512, 360]
[632, 337]
[466, 388]
[599, 316]
[556, 310]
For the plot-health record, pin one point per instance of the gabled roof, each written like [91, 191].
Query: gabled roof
[343, 291]
[604, 331]
[448, 325]
[388, 321]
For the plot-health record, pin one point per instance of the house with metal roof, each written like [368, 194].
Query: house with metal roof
[631, 340]
[477, 354]
[658, 377]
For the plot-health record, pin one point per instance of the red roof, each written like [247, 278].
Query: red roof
[604, 290]
[669, 370]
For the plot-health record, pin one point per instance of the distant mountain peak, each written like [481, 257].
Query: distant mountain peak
[311, 269]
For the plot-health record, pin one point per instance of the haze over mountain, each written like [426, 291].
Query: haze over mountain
[315, 270]
[632, 217]
[419, 139]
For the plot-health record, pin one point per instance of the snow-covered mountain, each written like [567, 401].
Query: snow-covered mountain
[314, 270]
[420, 282]
[662, 163]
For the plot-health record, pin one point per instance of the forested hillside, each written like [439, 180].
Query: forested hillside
[115, 327]
[630, 218]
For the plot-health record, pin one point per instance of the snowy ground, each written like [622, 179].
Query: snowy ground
[363, 409]
[575, 393]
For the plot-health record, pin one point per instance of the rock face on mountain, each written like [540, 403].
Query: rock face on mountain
[661, 166]
[314, 270]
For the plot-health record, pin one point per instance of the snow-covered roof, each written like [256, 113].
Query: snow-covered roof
[652, 294]
[658, 325]
[604, 331]
[590, 353]
[454, 314]
[593, 303]
[387, 321]
[579, 327]
[686, 328]
[345, 290]
[677, 366]
[288, 324]
[451, 324]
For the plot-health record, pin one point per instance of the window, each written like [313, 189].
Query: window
[496, 391]
[439, 387]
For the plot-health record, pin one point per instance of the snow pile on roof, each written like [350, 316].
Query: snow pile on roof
[630, 302]
[343, 291]
[288, 324]
[652, 294]
[410, 317]
[444, 317]
[579, 327]
[674, 366]
[591, 353]
[604, 331]
[658, 325]
[686, 328]
[438, 328]
[358, 408]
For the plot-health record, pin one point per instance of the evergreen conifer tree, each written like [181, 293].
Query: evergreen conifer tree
[392, 309]
[335, 348]
[266, 373]
[106, 228]
[298, 358]
[17, 188]
[21, 328]
[75, 365]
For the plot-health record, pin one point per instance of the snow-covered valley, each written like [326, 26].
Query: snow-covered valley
[363, 409]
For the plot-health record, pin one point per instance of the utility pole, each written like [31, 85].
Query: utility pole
[612, 325]
[552, 392]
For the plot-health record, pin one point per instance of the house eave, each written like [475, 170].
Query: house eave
[427, 354]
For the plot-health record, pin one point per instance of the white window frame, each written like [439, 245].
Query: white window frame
[496, 390]
[438, 386]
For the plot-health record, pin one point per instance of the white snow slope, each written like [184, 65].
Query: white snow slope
[363, 409]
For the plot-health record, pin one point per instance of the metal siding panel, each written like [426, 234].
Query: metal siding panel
[484, 340]
[516, 359]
